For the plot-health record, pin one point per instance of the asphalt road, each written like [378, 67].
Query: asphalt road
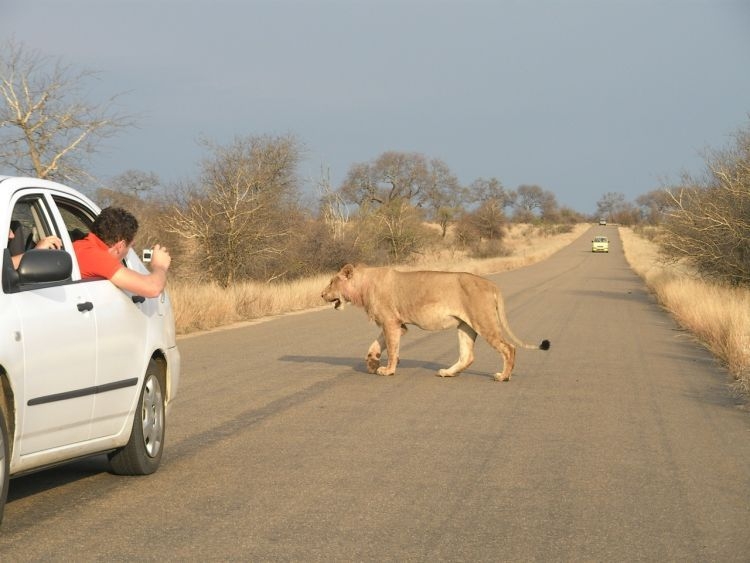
[622, 443]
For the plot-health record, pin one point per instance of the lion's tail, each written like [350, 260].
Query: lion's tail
[544, 345]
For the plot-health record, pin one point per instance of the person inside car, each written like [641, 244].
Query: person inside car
[101, 252]
[16, 243]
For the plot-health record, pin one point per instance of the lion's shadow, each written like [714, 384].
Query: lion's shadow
[358, 364]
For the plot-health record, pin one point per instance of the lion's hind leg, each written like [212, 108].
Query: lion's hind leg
[466, 338]
[508, 352]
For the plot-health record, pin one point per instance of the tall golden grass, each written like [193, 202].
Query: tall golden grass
[207, 306]
[719, 316]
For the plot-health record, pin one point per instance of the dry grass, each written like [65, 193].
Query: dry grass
[207, 306]
[201, 307]
[718, 316]
[526, 245]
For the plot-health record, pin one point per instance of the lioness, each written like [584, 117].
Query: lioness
[431, 301]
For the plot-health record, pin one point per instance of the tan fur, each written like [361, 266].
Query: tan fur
[431, 301]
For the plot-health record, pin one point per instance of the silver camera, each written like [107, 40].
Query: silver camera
[147, 253]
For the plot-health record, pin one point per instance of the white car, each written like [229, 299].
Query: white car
[85, 368]
[600, 244]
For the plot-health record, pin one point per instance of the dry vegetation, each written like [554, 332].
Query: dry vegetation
[718, 315]
[208, 305]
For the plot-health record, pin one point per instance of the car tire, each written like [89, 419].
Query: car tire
[4, 463]
[142, 454]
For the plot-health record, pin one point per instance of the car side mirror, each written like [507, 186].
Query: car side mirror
[36, 267]
[44, 266]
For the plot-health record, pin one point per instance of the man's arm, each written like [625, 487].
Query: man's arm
[147, 285]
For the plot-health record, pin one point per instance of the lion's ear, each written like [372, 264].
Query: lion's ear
[348, 271]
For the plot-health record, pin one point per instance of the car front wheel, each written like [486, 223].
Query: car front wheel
[142, 454]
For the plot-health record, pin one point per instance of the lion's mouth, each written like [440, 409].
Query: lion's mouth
[337, 303]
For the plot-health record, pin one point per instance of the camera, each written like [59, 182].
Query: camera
[147, 252]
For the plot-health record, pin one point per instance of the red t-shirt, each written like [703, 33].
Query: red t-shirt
[94, 259]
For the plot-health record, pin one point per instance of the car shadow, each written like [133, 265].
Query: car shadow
[57, 476]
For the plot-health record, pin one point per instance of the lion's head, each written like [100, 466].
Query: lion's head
[337, 292]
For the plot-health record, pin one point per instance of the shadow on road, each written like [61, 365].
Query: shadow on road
[34, 483]
[358, 364]
[628, 295]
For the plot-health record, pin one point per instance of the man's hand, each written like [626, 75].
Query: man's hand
[160, 259]
[51, 242]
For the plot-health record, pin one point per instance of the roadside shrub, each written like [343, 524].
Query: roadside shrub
[319, 251]
[708, 223]
[549, 229]
[488, 249]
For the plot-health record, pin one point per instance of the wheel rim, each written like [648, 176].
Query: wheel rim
[152, 416]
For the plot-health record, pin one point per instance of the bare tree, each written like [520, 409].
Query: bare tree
[482, 190]
[569, 216]
[46, 128]
[333, 208]
[653, 205]
[708, 222]
[444, 195]
[489, 220]
[550, 210]
[610, 204]
[136, 182]
[243, 211]
[401, 230]
[390, 192]
[392, 176]
[531, 202]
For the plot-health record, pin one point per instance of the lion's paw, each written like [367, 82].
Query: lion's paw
[372, 364]
[384, 371]
[445, 373]
[499, 377]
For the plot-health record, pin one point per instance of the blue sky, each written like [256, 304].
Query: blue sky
[580, 97]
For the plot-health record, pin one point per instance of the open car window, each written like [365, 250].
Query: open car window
[77, 219]
[30, 222]
[24, 267]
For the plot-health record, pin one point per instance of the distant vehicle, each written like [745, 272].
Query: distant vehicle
[602, 221]
[85, 368]
[600, 244]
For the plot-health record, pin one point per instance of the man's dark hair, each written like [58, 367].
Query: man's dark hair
[115, 224]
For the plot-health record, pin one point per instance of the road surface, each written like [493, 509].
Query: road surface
[621, 443]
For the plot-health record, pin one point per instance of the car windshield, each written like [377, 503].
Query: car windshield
[600, 239]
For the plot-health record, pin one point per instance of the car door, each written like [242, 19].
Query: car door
[121, 335]
[57, 339]
[53, 331]
[121, 328]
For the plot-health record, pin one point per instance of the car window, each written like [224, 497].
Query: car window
[31, 221]
[77, 219]
[31, 214]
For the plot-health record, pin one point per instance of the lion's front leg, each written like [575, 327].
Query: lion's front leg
[392, 336]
